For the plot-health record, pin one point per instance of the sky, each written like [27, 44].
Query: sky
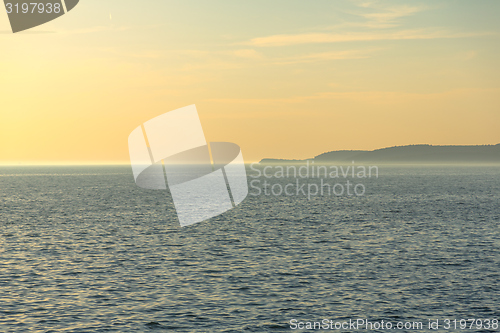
[281, 78]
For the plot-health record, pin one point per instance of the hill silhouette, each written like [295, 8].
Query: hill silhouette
[411, 154]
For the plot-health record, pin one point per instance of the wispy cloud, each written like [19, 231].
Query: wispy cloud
[377, 21]
[326, 56]
[247, 53]
[377, 15]
[382, 16]
[310, 38]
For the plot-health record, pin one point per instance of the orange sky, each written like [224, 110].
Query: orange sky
[291, 79]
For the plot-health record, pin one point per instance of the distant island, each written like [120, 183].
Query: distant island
[411, 154]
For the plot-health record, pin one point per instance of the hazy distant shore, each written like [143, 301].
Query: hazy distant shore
[412, 154]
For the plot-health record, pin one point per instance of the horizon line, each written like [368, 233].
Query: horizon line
[124, 163]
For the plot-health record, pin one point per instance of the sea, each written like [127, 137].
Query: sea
[83, 249]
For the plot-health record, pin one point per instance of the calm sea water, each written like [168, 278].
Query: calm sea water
[82, 249]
